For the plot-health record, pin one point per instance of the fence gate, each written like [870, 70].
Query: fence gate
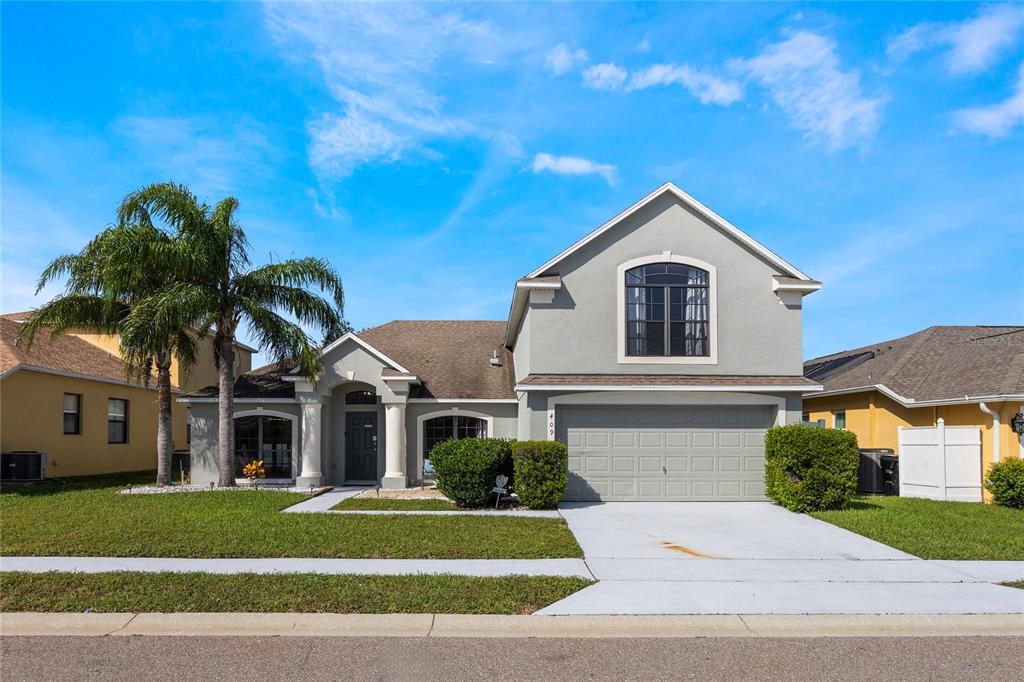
[940, 462]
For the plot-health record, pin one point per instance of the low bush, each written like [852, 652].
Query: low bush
[466, 468]
[810, 469]
[1005, 481]
[542, 471]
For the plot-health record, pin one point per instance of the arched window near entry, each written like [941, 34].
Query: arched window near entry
[360, 398]
[457, 426]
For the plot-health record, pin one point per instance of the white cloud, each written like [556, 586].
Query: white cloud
[644, 46]
[562, 60]
[573, 165]
[705, 87]
[805, 79]
[996, 120]
[971, 45]
[605, 77]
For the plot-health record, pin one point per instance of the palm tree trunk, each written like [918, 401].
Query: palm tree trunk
[164, 442]
[226, 408]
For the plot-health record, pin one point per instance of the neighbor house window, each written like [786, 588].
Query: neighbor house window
[667, 311]
[72, 413]
[839, 419]
[117, 420]
[360, 398]
[440, 429]
[265, 438]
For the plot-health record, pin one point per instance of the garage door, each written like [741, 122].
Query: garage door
[665, 453]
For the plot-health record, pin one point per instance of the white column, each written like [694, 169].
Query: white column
[394, 447]
[312, 413]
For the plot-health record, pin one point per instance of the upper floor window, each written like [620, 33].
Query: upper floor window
[117, 421]
[360, 398]
[72, 413]
[667, 311]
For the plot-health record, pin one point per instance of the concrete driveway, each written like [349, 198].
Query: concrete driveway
[756, 557]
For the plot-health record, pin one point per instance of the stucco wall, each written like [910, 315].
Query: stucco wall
[32, 418]
[502, 418]
[578, 332]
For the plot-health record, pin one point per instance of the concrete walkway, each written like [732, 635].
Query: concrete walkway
[471, 567]
[322, 504]
[453, 625]
[757, 558]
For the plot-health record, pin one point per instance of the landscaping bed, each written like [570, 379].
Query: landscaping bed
[86, 517]
[393, 504]
[934, 529]
[297, 593]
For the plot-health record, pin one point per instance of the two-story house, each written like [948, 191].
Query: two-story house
[659, 348]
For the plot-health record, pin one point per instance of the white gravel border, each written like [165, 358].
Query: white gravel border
[155, 490]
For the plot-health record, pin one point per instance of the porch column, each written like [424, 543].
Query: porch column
[312, 413]
[394, 423]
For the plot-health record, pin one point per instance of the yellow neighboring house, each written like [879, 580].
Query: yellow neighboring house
[967, 376]
[69, 399]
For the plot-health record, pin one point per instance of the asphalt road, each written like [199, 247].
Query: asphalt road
[497, 660]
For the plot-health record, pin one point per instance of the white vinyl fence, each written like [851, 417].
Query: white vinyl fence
[940, 462]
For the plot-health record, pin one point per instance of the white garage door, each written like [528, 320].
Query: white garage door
[665, 453]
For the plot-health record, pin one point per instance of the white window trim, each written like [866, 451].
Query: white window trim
[620, 306]
[450, 412]
[261, 412]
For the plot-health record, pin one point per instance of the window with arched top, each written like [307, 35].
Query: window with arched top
[360, 398]
[667, 310]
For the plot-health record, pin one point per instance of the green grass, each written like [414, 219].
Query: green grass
[390, 504]
[1019, 586]
[85, 517]
[933, 529]
[299, 593]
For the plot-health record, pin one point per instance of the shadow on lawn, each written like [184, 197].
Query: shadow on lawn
[863, 504]
[53, 486]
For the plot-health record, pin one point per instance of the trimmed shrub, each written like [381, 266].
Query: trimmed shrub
[810, 469]
[466, 468]
[542, 471]
[1005, 481]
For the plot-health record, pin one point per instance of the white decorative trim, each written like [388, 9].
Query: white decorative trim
[719, 398]
[510, 401]
[910, 402]
[262, 412]
[407, 378]
[708, 388]
[76, 375]
[526, 284]
[451, 411]
[620, 292]
[718, 220]
[351, 336]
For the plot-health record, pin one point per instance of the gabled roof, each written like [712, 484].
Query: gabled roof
[943, 363]
[263, 382]
[714, 218]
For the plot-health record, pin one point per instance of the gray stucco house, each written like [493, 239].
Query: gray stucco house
[659, 348]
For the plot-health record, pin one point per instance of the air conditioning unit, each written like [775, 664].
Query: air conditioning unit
[22, 465]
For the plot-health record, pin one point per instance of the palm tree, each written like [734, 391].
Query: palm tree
[106, 281]
[218, 289]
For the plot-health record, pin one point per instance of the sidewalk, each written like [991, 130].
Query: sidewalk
[448, 625]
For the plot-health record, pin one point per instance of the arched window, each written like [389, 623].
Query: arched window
[360, 398]
[440, 429]
[667, 311]
[264, 437]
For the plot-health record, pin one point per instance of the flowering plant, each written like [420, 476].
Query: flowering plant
[254, 471]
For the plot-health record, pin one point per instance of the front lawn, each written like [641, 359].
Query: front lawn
[393, 504]
[86, 517]
[933, 529]
[298, 593]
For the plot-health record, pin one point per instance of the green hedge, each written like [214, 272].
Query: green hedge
[542, 471]
[810, 469]
[466, 468]
[1005, 481]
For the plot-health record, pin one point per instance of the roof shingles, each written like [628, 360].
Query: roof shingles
[66, 353]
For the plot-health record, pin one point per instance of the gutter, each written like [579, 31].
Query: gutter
[995, 429]
[910, 402]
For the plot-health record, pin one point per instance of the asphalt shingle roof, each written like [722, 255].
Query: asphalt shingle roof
[937, 363]
[64, 353]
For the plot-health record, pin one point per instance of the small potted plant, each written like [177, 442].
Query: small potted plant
[255, 472]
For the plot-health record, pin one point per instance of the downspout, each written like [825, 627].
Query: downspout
[995, 430]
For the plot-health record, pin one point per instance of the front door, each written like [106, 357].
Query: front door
[361, 446]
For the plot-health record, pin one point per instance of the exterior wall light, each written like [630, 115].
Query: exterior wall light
[1017, 423]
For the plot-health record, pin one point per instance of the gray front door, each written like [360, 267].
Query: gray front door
[664, 453]
[361, 446]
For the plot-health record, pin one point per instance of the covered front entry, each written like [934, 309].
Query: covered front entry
[660, 452]
[361, 447]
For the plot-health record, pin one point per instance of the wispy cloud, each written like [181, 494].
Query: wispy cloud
[206, 152]
[573, 165]
[562, 60]
[804, 77]
[971, 45]
[996, 120]
[708, 89]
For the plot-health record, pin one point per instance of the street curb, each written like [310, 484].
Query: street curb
[455, 625]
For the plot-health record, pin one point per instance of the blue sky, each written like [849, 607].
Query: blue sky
[435, 153]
